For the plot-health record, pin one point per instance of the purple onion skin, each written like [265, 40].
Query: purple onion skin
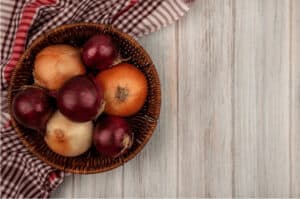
[80, 99]
[109, 135]
[32, 107]
[99, 52]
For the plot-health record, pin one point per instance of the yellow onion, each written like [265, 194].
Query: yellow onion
[55, 64]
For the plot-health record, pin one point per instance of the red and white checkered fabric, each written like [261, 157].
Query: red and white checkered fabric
[22, 21]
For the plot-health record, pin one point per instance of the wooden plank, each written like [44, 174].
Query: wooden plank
[102, 185]
[261, 98]
[205, 109]
[153, 172]
[295, 99]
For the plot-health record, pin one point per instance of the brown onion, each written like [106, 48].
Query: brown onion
[125, 89]
[55, 64]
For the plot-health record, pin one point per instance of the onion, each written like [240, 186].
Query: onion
[80, 99]
[55, 64]
[112, 136]
[99, 52]
[125, 89]
[32, 107]
[66, 137]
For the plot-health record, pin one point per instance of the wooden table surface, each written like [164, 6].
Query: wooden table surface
[230, 117]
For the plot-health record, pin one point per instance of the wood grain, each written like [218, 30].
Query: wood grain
[295, 100]
[204, 112]
[103, 185]
[229, 124]
[261, 98]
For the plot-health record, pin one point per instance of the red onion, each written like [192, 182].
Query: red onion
[99, 52]
[112, 136]
[32, 107]
[80, 99]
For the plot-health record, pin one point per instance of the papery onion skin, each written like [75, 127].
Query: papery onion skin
[112, 136]
[80, 99]
[68, 138]
[125, 89]
[56, 64]
[32, 107]
[99, 52]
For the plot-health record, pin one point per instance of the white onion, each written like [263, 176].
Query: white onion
[66, 137]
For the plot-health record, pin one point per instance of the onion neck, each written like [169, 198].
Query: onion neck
[127, 143]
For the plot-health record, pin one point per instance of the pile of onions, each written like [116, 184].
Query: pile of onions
[118, 89]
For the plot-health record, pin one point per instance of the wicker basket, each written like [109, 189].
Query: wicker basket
[143, 123]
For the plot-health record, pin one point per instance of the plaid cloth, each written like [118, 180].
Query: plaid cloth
[22, 21]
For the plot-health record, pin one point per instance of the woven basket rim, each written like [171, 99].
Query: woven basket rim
[43, 158]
